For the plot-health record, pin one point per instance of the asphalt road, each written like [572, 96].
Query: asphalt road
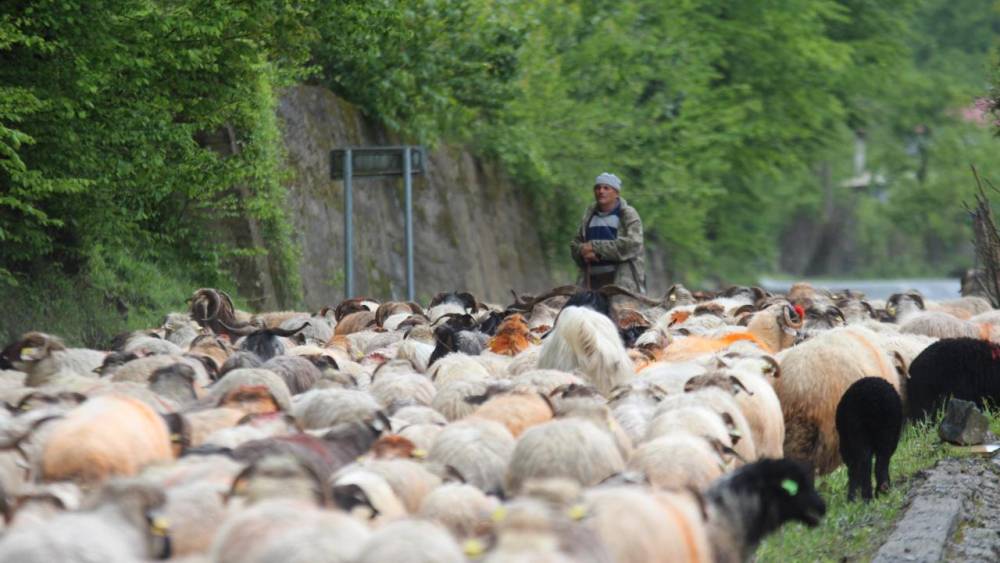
[930, 288]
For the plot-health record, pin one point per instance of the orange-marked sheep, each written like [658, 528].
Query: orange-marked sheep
[104, 437]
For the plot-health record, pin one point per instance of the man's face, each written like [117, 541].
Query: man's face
[605, 196]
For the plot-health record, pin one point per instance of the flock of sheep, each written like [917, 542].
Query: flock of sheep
[570, 426]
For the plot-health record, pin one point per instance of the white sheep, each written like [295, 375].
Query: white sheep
[571, 448]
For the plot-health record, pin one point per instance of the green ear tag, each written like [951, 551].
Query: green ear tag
[791, 486]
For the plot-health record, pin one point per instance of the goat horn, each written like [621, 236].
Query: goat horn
[613, 290]
[565, 290]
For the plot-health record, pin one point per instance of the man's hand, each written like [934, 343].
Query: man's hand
[589, 256]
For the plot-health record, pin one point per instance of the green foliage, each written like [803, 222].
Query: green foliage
[107, 110]
[717, 114]
[425, 67]
[126, 295]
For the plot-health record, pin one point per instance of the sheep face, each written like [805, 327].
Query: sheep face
[30, 349]
[783, 490]
[789, 490]
[900, 305]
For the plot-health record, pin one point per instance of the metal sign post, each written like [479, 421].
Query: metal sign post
[405, 161]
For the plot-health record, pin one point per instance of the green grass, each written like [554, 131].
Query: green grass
[855, 531]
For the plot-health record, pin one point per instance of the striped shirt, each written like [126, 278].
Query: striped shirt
[604, 226]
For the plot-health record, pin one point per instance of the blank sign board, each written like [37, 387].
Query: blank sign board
[382, 161]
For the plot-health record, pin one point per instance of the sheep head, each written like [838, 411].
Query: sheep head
[31, 348]
[678, 296]
[901, 304]
[512, 336]
[464, 299]
[783, 490]
[777, 326]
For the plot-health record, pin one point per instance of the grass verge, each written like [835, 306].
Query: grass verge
[855, 531]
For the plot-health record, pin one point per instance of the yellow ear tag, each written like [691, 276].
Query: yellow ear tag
[473, 549]
[418, 453]
[159, 526]
[577, 512]
[499, 514]
[28, 351]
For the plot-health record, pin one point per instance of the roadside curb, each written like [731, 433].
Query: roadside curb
[950, 515]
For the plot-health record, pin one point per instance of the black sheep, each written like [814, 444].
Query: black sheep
[964, 368]
[869, 421]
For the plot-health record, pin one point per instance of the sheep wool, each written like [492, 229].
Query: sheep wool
[104, 437]
[516, 411]
[323, 408]
[478, 450]
[587, 341]
[678, 461]
[571, 448]
[814, 376]
[463, 509]
[282, 530]
[640, 526]
[411, 541]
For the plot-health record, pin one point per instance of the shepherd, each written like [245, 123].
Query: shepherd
[608, 247]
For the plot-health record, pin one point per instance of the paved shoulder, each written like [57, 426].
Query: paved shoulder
[954, 515]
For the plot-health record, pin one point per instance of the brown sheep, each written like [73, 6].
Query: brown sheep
[814, 376]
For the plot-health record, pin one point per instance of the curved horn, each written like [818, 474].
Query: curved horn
[286, 332]
[613, 290]
[244, 330]
[791, 317]
[564, 290]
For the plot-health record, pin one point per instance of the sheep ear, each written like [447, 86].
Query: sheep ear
[659, 393]
[871, 310]
[350, 496]
[548, 401]
[239, 483]
[835, 313]
[381, 423]
[453, 474]
[775, 369]
[695, 382]
[618, 392]
[900, 364]
[738, 385]
[731, 452]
